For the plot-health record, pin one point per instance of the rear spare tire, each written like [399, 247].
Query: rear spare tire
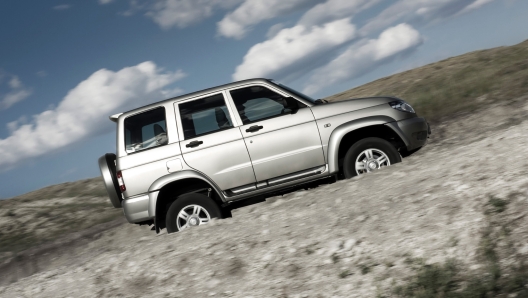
[108, 171]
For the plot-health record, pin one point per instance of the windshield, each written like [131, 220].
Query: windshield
[299, 94]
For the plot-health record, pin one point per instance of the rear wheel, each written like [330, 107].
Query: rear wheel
[368, 155]
[191, 210]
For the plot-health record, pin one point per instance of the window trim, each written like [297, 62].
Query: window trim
[294, 93]
[179, 122]
[138, 113]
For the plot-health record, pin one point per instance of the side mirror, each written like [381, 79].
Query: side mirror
[292, 104]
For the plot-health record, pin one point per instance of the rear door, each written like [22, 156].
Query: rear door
[278, 142]
[211, 142]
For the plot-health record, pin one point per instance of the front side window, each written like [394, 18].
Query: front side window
[204, 116]
[258, 103]
[145, 130]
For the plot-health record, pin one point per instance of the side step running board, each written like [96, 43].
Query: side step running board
[275, 181]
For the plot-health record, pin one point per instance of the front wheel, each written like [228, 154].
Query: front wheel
[191, 210]
[368, 155]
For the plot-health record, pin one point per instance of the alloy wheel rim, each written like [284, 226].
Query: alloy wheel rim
[191, 216]
[370, 160]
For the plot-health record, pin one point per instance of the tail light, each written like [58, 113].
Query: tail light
[120, 181]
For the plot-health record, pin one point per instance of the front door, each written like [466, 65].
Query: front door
[278, 142]
[212, 145]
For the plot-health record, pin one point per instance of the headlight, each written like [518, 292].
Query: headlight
[401, 105]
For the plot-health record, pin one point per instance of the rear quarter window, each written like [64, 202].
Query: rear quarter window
[146, 130]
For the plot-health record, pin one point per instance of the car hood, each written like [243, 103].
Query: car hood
[349, 105]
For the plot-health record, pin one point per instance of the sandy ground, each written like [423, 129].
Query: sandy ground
[353, 238]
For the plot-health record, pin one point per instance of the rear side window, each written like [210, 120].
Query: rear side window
[145, 130]
[204, 116]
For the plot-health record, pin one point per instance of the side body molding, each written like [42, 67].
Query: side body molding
[157, 185]
[340, 131]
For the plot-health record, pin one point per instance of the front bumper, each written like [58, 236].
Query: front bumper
[413, 131]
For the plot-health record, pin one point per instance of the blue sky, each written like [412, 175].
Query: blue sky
[65, 66]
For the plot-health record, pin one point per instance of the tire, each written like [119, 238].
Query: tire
[199, 209]
[108, 171]
[357, 154]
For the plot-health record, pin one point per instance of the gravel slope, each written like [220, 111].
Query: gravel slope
[353, 238]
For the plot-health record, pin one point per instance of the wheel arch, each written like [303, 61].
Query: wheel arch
[346, 134]
[166, 189]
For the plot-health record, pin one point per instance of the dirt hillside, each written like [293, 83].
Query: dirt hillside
[42, 216]
[449, 221]
[457, 84]
[462, 201]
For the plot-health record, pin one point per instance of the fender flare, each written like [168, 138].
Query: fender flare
[157, 185]
[339, 132]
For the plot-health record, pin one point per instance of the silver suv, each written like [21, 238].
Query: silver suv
[185, 160]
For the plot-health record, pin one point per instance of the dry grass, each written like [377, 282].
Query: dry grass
[457, 84]
[46, 214]
[504, 272]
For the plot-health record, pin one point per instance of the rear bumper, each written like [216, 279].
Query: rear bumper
[136, 209]
[414, 132]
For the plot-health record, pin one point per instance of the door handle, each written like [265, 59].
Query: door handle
[255, 128]
[194, 144]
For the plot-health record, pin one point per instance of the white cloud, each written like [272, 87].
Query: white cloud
[84, 111]
[12, 126]
[14, 97]
[237, 23]
[134, 7]
[16, 94]
[416, 11]
[168, 93]
[333, 10]
[475, 5]
[42, 73]
[365, 56]
[274, 30]
[62, 7]
[292, 48]
[182, 13]
[15, 82]
[103, 2]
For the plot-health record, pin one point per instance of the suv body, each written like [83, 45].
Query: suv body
[247, 139]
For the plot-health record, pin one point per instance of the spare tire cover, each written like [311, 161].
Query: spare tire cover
[108, 171]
